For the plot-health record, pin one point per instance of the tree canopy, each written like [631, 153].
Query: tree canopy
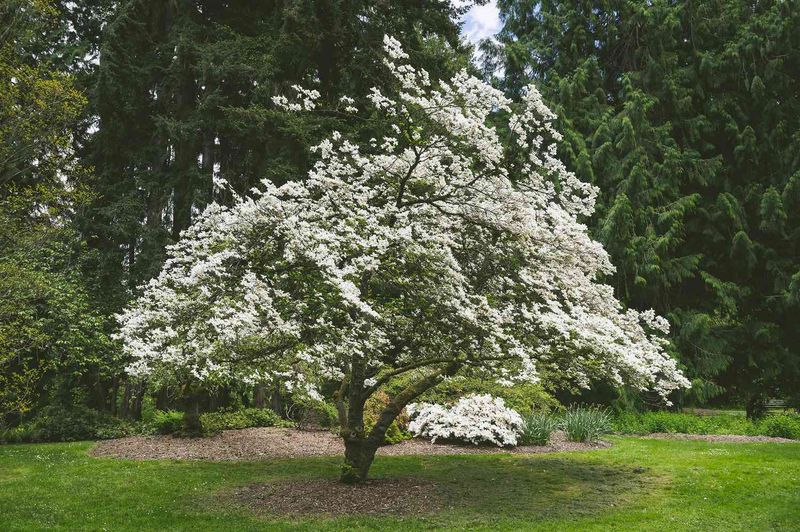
[431, 248]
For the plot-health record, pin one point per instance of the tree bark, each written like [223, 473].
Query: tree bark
[125, 408]
[138, 397]
[191, 413]
[360, 447]
[260, 396]
[359, 453]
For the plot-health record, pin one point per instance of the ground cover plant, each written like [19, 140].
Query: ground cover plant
[775, 425]
[637, 484]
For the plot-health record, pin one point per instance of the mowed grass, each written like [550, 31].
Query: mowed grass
[637, 484]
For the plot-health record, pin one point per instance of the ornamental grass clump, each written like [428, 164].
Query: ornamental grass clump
[537, 428]
[583, 424]
[476, 419]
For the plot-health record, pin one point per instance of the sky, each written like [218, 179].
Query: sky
[481, 22]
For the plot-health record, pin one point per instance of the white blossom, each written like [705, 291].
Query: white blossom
[439, 246]
[473, 419]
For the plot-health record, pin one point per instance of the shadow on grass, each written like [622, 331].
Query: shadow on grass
[468, 487]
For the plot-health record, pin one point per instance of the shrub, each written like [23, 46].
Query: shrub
[167, 422]
[311, 414]
[59, 423]
[585, 423]
[214, 422]
[651, 422]
[397, 431]
[781, 426]
[523, 398]
[537, 428]
[473, 419]
[20, 434]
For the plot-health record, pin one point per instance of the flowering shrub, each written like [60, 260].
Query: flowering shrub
[473, 419]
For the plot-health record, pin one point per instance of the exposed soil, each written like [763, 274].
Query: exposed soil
[735, 438]
[266, 443]
[398, 496]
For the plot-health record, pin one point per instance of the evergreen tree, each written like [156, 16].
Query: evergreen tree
[684, 114]
[183, 97]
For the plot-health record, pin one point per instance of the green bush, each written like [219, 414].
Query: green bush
[396, 432]
[537, 428]
[308, 413]
[58, 423]
[585, 423]
[21, 434]
[167, 422]
[523, 398]
[780, 426]
[214, 422]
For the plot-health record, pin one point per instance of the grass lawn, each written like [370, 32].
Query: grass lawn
[637, 484]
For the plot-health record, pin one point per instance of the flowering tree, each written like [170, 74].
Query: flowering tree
[434, 247]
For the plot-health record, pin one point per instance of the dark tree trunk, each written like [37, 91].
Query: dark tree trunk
[260, 396]
[136, 401]
[358, 456]
[191, 414]
[756, 406]
[162, 399]
[127, 397]
[115, 398]
[360, 446]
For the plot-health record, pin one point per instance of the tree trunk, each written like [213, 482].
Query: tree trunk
[756, 406]
[276, 402]
[162, 399]
[358, 456]
[260, 396]
[127, 396]
[136, 403]
[191, 414]
[360, 446]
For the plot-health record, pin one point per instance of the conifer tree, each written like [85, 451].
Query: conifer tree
[684, 114]
[183, 98]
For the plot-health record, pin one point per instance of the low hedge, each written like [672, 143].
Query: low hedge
[776, 425]
[214, 422]
[171, 421]
[75, 423]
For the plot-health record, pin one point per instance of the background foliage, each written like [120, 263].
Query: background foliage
[685, 115]
[115, 117]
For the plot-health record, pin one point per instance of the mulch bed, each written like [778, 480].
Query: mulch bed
[389, 496]
[272, 442]
[733, 438]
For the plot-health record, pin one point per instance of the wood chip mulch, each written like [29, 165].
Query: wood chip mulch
[730, 438]
[384, 496]
[268, 443]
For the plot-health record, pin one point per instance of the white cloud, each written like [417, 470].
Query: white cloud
[481, 22]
